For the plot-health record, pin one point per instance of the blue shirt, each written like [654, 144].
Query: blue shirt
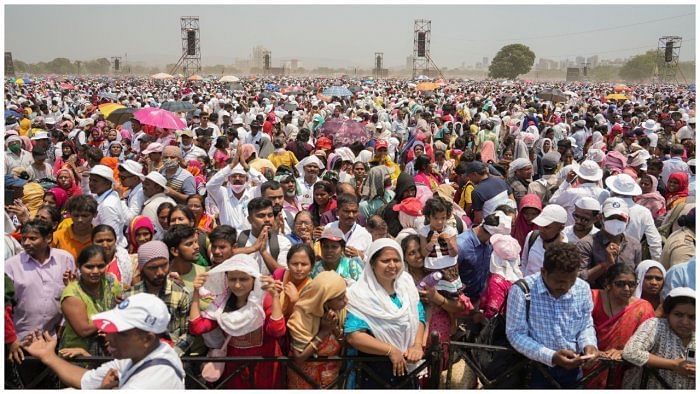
[680, 275]
[555, 323]
[473, 260]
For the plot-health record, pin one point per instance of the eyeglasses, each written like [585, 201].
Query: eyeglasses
[622, 283]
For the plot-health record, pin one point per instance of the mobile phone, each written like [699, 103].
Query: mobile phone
[690, 355]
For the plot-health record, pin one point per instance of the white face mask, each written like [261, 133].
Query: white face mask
[615, 227]
[238, 188]
[451, 287]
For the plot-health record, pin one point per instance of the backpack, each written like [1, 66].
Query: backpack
[272, 241]
[76, 138]
[493, 364]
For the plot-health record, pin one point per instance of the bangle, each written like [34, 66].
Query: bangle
[388, 353]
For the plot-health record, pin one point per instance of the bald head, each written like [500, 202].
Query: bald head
[344, 187]
[172, 152]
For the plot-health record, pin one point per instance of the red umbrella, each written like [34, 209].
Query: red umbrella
[159, 118]
[67, 86]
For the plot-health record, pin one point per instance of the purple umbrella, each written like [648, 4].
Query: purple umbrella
[344, 132]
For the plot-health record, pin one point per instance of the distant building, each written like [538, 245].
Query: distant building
[409, 62]
[485, 61]
[580, 60]
[593, 61]
[479, 66]
[257, 59]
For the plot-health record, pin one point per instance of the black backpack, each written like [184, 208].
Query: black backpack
[272, 239]
[493, 364]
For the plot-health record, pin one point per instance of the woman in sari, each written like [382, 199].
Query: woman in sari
[141, 230]
[316, 328]
[205, 222]
[530, 207]
[651, 198]
[651, 276]
[196, 168]
[374, 192]
[676, 190]
[67, 150]
[66, 181]
[56, 197]
[294, 278]
[616, 316]
[424, 173]
[416, 150]
[119, 263]
[323, 209]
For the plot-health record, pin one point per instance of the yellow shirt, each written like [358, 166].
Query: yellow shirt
[287, 159]
[65, 239]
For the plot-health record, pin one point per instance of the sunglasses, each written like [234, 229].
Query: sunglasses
[622, 283]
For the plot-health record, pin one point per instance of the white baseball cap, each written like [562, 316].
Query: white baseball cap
[589, 170]
[42, 135]
[623, 184]
[615, 206]
[550, 214]
[143, 311]
[588, 203]
[133, 167]
[103, 171]
[158, 178]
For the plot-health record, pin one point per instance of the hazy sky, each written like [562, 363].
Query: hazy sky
[346, 35]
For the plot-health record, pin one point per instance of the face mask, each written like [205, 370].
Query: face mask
[186, 147]
[170, 163]
[15, 148]
[451, 287]
[238, 188]
[615, 227]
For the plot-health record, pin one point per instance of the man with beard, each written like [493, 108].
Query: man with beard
[357, 237]
[265, 245]
[180, 182]
[132, 331]
[184, 252]
[189, 149]
[309, 168]
[585, 216]
[154, 266]
[291, 204]
[272, 190]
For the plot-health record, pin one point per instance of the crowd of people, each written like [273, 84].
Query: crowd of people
[282, 222]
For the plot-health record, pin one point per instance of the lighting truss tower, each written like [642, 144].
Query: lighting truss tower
[117, 64]
[667, 54]
[379, 71]
[9, 65]
[191, 58]
[421, 47]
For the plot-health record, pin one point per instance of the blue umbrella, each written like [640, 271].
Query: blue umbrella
[337, 91]
[272, 86]
[691, 87]
[26, 80]
[10, 112]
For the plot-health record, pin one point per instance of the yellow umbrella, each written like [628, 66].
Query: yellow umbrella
[424, 86]
[195, 77]
[616, 96]
[19, 81]
[108, 108]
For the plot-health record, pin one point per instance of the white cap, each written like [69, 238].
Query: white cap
[589, 170]
[42, 135]
[50, 120]
[133, 167]
[153, 147]
[615, 206]
[103, 171]
[573, 142]
[650, 124]
[159, 179]
[237, 120]
[588, 203]
[681, 292]
[550, 214]
[143, 311]
[623, 184]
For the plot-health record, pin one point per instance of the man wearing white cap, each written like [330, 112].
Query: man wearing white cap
[610, 245]
[551, 224]
[154, 186]
[588, 174]
[585, 216]
[132, 331]
[109, 206]
[641, 221]
[131, 177]
[309, 169]
[232, 200]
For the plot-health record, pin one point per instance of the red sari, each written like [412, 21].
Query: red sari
[614, 332]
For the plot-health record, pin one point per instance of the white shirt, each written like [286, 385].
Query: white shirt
[306, 197]
[358, 237]
[134, 202]
[571, 236]
[193, 153]
[150, 206]
[642, 223]
[35, 174]
[24, 159]
[674, 164]
[232, 211]
[532, 260]
[566, 196]
[110, 212]
[152, 377]
[284, 245]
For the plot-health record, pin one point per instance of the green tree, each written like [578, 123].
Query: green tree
[639, 67]
[604, 73]
[512, 60]
[60, 65]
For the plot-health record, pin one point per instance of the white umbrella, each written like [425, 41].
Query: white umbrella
[161, 76]
[229, 78]
[422, 78]
[570, 93]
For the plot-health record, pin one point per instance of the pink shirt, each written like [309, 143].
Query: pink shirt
[38, 289]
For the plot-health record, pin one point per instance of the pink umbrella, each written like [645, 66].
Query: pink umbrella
[67, 86]
[159, 118]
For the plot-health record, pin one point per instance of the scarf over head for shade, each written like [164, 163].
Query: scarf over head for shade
[505, 259]
[247, 150]
[60, 195]
[488, 152]
[653, 201]
[137, 223]
[374, 183]
[369, 301]
[642, 269]
[682, 179]
[33, 197]
[521, 228]
[246, 319]
[74, 188]
[305, 321]
[311, 159]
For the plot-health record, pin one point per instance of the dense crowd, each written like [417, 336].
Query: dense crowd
[325, 217]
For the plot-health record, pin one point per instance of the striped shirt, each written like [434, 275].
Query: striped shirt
[181, 182]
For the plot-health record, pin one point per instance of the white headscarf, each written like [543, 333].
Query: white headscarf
[246, 319]
[369, 301]
[642, 269]
[310, 159]
[518, 164]
[505, 259]
[504, 226]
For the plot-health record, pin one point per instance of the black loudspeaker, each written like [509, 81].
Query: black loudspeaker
[191, 47]
[266, 62]
[421, 44]
[379, 62]
[116, 64]
[668, 54]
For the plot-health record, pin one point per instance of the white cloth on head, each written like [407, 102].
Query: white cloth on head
[518, 164]
[369, 301]
[642, 269]
[504, 226]
[505, 259]
[310, 159]
[246, 319]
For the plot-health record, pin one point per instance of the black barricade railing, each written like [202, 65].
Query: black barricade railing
[431, 363]
[462, 350]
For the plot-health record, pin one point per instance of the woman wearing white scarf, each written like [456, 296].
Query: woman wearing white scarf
[648, 284]
[385, 316]
[241, 315]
